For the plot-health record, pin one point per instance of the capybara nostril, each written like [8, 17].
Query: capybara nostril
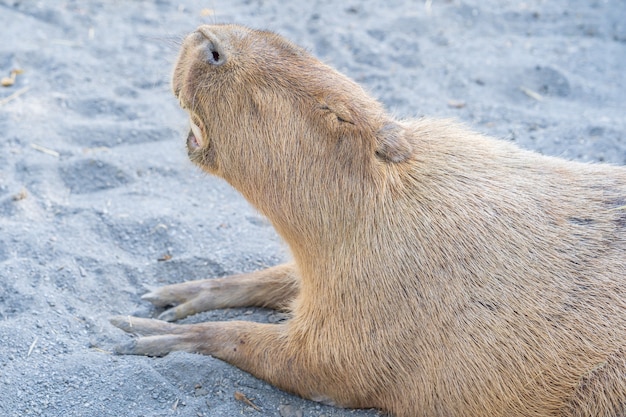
[214, 56]
[214, 52]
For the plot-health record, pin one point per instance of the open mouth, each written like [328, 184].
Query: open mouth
[195, 139]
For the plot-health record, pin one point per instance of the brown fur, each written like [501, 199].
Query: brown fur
[436, 272]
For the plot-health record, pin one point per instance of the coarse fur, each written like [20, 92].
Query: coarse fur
[436, 272]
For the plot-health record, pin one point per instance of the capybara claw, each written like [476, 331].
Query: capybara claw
[168, 315]
[155, 298]
[143, 327]
[122, 322]
[128, 348]
[145, 346]
[149, 296]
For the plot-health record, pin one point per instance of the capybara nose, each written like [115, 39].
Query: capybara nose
[213, 47]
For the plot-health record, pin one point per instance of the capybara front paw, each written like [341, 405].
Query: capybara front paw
[184, 299]
[156, 337]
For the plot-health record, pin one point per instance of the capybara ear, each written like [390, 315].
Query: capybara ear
[391, 143]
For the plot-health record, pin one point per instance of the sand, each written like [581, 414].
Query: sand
[98, 201]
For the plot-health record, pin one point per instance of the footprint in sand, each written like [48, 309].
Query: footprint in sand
[91, 175]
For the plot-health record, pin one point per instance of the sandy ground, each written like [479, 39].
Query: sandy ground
[96, 190]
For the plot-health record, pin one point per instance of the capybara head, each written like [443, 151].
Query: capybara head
[263, 109]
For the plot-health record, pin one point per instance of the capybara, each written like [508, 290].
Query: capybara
[435, 272]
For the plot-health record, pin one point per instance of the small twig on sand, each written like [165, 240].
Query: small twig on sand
[240, 396]
[10, 80]
[428, 5]
[532, 94]
[32, 346]
[21, 195]
[97, 349]
[44, 150]
[456, 104]
[14, 95]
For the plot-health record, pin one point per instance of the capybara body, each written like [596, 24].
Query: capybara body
[436, 272]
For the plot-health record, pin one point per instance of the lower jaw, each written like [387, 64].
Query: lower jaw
[203, 158]
[192, 142]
